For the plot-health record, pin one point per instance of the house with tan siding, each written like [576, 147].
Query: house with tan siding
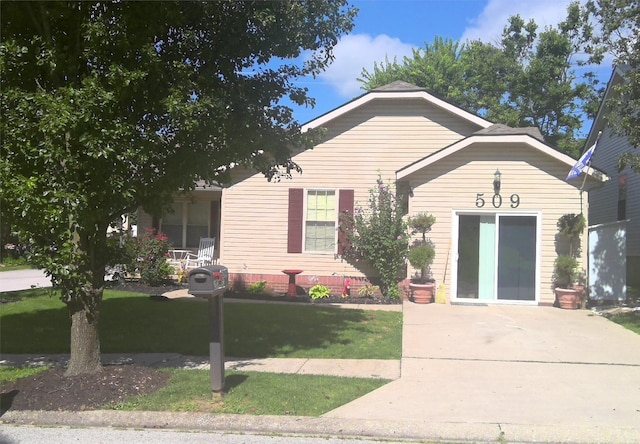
[617, 202]
[495, 245]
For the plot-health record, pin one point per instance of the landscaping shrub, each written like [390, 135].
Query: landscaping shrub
[319, 292]
[377, 235]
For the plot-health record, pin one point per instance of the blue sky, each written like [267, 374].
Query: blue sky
[391, 28]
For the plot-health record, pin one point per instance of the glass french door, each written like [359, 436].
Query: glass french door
[496, 257]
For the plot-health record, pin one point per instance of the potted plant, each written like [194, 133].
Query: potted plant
[421, 255]
[570, 226]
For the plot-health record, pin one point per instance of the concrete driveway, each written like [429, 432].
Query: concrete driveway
[23, 280]
[527, 374]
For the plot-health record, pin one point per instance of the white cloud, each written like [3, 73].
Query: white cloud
[489, 24]
[356, 51]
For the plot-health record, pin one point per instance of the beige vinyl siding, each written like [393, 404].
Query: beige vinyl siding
[383, 136]
[453, 183]
[603, 200]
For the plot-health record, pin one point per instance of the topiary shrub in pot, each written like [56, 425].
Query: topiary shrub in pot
[421, 256]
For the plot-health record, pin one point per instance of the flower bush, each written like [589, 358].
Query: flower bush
[151, 258]
[377, 235]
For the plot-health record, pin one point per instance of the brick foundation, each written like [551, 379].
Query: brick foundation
[278, 283]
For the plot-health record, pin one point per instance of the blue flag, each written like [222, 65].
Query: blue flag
[583, 163]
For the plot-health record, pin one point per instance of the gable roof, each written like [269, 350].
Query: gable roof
[494, 135]
[395, 90]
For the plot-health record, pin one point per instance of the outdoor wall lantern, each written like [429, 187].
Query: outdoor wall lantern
[497, 177]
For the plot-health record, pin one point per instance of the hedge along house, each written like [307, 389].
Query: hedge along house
[442, 160]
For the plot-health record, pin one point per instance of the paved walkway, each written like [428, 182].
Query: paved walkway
[353, 368]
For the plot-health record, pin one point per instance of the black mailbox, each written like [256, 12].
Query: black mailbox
[211, 280]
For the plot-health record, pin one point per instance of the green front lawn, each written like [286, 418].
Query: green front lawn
[135, 323]
[254, 394]
[629, 320]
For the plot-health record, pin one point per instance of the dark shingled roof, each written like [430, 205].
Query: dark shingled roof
[499, 129]
[398, 85]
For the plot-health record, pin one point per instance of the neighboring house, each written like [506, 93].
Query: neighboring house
[494, 248]
[618, 200]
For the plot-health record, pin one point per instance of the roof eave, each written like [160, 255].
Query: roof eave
[495, 139]
[375, 95]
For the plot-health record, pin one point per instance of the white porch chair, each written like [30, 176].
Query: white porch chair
[204, 256]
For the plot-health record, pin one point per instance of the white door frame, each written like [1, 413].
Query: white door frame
[455, 214]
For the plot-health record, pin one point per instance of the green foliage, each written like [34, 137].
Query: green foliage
[619, 22]
[421, 252]
[528, 78]
[368, 291]
[257, 288]
[319, 292]
[570, 226]
[151, 258]
[111, 106]
[421, 257]
[565, 267]
[377, 236]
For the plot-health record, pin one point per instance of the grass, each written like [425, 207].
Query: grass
[254, 393]
[11, 374]
[630, 320]
[11, 264]
[134, 323]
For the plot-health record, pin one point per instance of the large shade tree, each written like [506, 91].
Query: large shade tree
[528, 78]
[109, 106]
[619, 22]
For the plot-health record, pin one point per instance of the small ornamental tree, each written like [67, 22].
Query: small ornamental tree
[422, 253]
[377, 236]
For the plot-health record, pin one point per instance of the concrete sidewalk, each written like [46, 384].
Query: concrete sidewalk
[350, 368]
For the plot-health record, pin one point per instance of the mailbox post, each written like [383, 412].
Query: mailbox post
[211, 282]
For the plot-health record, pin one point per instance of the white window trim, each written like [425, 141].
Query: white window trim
[336, 193]
[185, 219]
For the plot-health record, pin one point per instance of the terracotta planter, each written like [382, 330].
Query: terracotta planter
[422, 293]
[568, 298]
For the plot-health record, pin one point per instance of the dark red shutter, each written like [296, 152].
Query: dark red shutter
[345, 205]
[296, 206]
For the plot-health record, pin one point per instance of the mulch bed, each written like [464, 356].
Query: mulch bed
[51, 390]
[137, 287]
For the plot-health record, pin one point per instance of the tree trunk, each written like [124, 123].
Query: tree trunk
[85, 339]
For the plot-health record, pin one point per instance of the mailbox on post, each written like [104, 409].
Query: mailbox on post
[211, 282]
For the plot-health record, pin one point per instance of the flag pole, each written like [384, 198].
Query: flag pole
[588, 165]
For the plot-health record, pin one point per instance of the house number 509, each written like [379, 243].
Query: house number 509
[496, 200]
